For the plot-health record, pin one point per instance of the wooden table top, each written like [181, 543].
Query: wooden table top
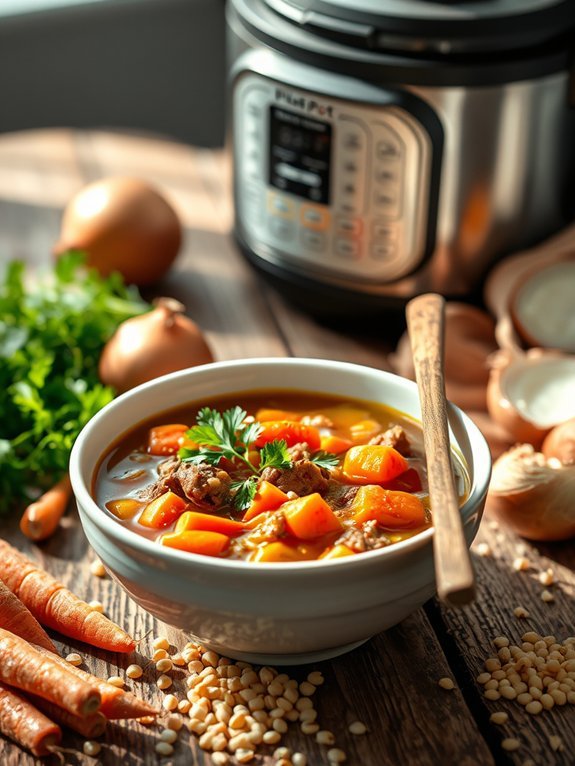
[391, 682]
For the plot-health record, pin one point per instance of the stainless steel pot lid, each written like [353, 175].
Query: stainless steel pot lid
[466, 26]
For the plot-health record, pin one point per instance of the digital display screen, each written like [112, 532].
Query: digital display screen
[300, 149]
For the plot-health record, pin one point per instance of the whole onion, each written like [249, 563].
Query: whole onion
[142, 348]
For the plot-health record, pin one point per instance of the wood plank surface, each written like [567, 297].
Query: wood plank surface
[391, 682]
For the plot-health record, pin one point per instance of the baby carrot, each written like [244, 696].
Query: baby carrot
[27, 669]
[25, 725]
[16, 618]
[41, 518]
[116, 703]
[93, 725]
[54, 606]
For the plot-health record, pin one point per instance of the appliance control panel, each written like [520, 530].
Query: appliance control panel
[335, 185]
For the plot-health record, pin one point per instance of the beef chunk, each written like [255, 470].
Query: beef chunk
[394, 437]
[205, 485]
[366, 539]
[303, 478]
[340, 496]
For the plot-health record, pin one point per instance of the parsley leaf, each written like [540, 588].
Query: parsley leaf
[229, 435]
[325, 459]
[52, 331]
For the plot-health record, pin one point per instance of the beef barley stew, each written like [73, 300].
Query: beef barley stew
[272, 476]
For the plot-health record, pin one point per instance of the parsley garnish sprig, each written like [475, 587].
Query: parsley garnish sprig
[229, 435]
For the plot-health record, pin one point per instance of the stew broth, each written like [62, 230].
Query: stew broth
[369, 491]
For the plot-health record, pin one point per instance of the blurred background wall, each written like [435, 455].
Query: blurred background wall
[154, 66]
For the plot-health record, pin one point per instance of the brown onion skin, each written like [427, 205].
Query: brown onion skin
[153, 344]
[507, 417]
[124, 225]
[560, 443]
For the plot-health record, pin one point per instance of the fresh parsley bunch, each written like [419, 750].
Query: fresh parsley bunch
[229, 435]
[51, 336]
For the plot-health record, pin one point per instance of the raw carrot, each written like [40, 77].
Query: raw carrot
[41, 518]
[391, 509]
[16, 618]
[267, 498]
[116, 703]
[54, 606]
[373, 464]
[93, 725]
[208, 522]
[166, 440]
[309, 516]
[30, 670]
[162, 511]
[290, 431]
[197, 541]
[25, 725]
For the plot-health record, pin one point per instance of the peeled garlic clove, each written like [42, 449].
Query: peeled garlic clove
[533, 495]
[541, 306]
[529, 394]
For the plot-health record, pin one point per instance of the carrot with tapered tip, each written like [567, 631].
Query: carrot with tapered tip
[54, 606]
[25, 724]
[41, 518]
[16, 618]
[24, 667]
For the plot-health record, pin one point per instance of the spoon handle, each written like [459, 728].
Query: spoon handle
[453, 569]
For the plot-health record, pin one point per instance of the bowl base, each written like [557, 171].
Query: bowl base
[304, 658]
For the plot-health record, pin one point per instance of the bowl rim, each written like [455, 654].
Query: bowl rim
[122, 534]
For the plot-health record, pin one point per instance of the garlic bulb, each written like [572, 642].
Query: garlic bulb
[533, 495]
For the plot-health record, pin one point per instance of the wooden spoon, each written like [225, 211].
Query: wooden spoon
[453, 569]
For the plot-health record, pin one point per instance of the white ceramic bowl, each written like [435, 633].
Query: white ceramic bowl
[269, 612]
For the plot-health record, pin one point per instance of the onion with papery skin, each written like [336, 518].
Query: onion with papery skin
[560, 443]
[532, 495]
[123, 225]
[142, 348]
[530, 393]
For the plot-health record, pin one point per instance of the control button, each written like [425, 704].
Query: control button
[384, 231]
[382, 252]
[315, 240]
[386, 203]
[349, 248]
[350, 226]
[386, 148]
[387, 174]
[281, 228]
[280, 205]
[350, 167]
[316, 218]
[353, 141]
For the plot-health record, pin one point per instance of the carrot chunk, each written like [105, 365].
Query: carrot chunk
[162, 511]
[207, 522]
[269, 413]
[278, 552]
[197, 541]
[391, 509]
[337, 552]
[166, 440]
[309, 516]
[54, 606]
[290, 431]
[125, 508]
[335, 444]
[267, 498]
[373, 464]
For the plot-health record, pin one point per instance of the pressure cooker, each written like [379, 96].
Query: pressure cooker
[384, 148]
